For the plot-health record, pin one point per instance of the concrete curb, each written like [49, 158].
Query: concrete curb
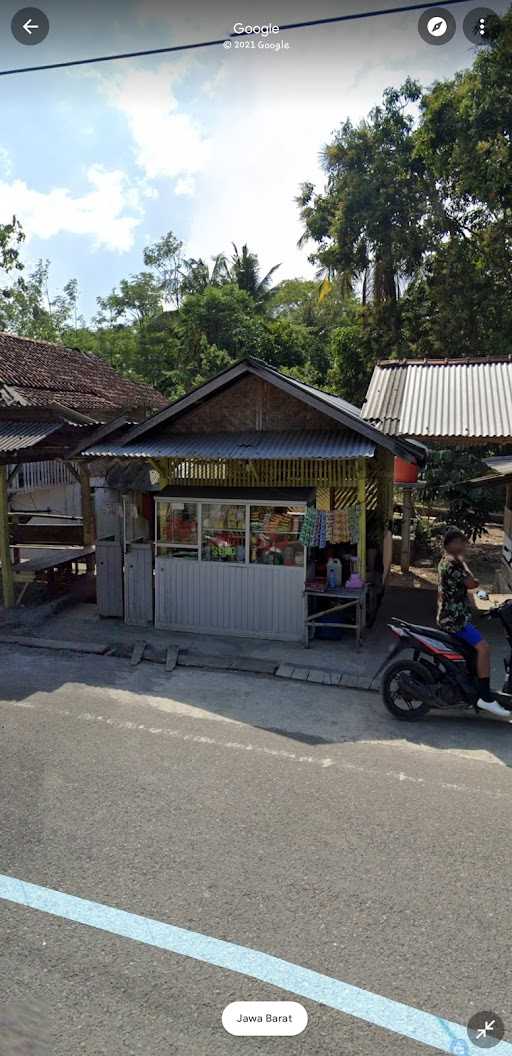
[172, 657]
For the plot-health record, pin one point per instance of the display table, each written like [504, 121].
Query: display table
[343, 600]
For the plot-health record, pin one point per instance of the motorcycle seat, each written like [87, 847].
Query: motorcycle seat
[441, 636]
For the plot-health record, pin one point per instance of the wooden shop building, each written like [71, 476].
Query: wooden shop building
[244, 505]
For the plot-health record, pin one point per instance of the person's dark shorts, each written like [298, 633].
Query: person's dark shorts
[470, 635]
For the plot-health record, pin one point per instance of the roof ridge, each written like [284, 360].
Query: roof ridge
[43, 341]
[443, 361]
[304, 384]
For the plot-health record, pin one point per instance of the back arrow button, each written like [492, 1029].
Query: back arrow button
[30, 25]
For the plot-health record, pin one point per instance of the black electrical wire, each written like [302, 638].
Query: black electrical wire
[217, 43]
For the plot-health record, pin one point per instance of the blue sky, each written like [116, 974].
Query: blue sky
[98, 161]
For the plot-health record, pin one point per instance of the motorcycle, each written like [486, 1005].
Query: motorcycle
[441, 672]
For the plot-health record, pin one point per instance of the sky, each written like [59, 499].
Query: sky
[98, 161]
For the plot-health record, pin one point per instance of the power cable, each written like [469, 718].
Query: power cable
[217, 43]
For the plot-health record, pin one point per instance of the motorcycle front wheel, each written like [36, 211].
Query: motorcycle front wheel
[404, 706]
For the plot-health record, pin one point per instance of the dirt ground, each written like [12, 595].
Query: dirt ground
[483, 558]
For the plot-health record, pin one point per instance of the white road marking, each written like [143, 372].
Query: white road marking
[405, 1020]
[280, 753]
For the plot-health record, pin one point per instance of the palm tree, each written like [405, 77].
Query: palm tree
[245, 271]
[199, 275]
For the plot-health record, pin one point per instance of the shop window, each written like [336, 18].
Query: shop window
[176, 525]
[274, 536]
[223, 532]
[188, 553]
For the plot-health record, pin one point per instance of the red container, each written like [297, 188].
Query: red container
[405, 472]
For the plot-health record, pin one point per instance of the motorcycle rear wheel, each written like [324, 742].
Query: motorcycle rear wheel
[399, 706]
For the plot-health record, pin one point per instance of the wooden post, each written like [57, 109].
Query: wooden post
[87, 506]
[361, 501]
[504, 577]
[5, 553]
[389, 490]
[508, 511]
[405, 555]
[385, 480]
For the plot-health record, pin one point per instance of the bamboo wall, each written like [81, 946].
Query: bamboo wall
[273, 473]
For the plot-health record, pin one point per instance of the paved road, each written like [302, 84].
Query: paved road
[295, 820]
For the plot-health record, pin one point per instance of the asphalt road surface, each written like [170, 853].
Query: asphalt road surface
[296, 820]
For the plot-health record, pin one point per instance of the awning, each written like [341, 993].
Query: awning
[250, 446]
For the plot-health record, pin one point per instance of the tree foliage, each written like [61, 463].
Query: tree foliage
[416, 211]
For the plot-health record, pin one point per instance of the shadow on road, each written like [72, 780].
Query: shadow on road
[304, 713]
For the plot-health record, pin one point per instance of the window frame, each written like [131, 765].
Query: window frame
[247, 503]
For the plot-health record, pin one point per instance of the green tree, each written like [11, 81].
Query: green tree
[137, 300]
[368, 223]
[165, 258]
[244, 269]
[11, 238]
[352, 361]
[198, 275]
[226, 318]
[445, 481]
[31, 310]
[460, 301]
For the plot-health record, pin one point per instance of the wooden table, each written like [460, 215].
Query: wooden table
[48, 565]
[345, 599]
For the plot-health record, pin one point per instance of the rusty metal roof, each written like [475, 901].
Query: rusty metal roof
[246, 445]
[16, 435]
[442, 399]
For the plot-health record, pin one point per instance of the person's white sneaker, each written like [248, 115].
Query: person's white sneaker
[494, 708]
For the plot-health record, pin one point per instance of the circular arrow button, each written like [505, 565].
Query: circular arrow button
[485, 1030]
[30, 25]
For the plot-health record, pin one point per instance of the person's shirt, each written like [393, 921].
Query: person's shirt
[453, 609]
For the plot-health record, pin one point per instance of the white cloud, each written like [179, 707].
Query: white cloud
[101, 213]
[185, 186]
[5, 163]
[168, 143]
[275, 115]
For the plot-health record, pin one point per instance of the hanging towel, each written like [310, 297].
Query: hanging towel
[316, 529]
[322, 530]
[308, 526]
[330, 521]
[354, 524]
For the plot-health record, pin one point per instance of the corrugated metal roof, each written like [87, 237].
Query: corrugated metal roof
[452, 398]
[246, 445]
[15, 435]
